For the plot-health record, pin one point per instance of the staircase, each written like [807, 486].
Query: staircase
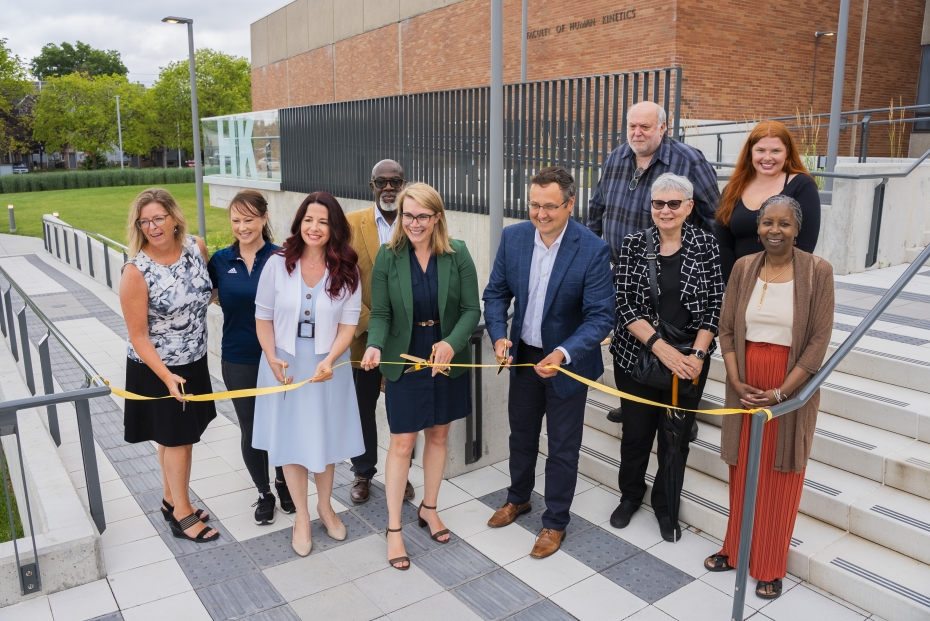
[911, 254]
[863, 532]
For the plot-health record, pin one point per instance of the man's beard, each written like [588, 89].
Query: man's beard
[387, 206]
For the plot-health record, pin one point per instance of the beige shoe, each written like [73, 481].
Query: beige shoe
[338, 533]
[302, 549]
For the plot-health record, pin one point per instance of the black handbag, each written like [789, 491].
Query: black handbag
[648, 369]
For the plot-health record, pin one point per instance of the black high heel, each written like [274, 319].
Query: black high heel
[423, 523]
[168, 513]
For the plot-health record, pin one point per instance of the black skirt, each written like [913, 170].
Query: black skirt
[167, 421]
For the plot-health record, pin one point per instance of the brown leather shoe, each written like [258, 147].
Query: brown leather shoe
[360, 490]
[508, 513]
[548, 543]
[408, 492]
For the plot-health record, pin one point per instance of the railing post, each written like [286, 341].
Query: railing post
[8, 304]
[106, 263]
[67, 254]
[473, 421]
[3, 313]
[749, 513]
[878, 205]
[57, 245]
[719, 148]
[48, 382]
[89, 455]
[77, 250]
[45, 235]
[29, 579]
[90, 257]
[27, 352]
[864, 140]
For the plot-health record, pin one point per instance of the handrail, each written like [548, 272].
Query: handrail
[780, 409]
[816, 116]
[53, 399]
[94, 233]
[818, 173]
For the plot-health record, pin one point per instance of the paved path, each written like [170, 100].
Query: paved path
[252, 573]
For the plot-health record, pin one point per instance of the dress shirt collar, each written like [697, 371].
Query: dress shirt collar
[663, 153]
[556, 244]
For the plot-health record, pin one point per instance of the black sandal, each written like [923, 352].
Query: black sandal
[717, 563]
[423, 524]
[399, 559]
[762, 589]
[168, 513]
[178, 528]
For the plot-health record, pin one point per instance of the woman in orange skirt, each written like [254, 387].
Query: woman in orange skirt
[775, 326]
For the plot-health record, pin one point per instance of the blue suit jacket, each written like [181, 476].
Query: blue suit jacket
[579, 308]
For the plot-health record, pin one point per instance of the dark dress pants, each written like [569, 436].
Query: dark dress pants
[532, 397]
[641, 423]
[367, 391]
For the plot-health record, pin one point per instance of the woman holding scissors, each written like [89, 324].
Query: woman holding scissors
[306, 309]
[424, 297]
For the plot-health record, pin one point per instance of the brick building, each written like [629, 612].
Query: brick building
[741, 60]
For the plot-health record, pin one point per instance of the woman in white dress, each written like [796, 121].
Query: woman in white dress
[306, 310]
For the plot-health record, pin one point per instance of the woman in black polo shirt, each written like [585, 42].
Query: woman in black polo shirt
[235, 272]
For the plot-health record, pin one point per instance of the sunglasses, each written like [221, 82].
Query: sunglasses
[636, 176]
[660, 205]
[396, 183]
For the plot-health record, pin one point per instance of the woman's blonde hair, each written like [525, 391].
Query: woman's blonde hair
[428, 198]
[134, 235]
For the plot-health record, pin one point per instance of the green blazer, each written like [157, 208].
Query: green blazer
[391, 320]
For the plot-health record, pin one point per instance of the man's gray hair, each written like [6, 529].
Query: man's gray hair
[661, 117]
[781, 199]
[670, 182]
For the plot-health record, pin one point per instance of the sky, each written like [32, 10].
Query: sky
[133, 28]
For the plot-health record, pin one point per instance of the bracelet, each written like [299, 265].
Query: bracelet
[778, 396]
[652, 340]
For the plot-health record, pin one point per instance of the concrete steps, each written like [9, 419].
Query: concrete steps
[911, 254]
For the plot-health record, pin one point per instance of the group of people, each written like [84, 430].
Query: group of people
[660, 248]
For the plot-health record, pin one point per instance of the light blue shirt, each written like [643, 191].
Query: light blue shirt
[385, 230]
[540, 271]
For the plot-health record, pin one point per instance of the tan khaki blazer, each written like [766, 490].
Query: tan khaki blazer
[364, 241]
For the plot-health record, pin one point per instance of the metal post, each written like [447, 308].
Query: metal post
[48, 383]
[195, 119]
[814, 72]
[3, 314]
[77, 250]
[64, 238]
[9, 208]
[875, 230]
[57, 245]
[749, 514]
[836, 103]
[496, 134]
[29, 577]
[106, 263]
[27, 353]
[45, 236]
[89, 455]
[523, 44]
[119, 129]
[864, 139]
[90, 257]
[8, 304]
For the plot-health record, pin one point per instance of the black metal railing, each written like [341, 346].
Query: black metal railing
[812, 386]
[29, 573]
[50, 236]
[442, 138]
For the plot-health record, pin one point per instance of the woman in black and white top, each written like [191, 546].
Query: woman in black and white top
[690, 293]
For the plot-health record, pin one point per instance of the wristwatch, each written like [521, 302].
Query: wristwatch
[697, 353]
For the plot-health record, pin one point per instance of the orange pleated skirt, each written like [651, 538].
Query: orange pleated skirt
[779, 494]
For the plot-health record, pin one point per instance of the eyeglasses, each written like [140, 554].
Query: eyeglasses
[660, 205]
[422, 219]
[157, 221]
[636, 176]
[396, 183]
[546, 208]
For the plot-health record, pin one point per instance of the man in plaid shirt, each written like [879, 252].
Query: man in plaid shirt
[620, 203]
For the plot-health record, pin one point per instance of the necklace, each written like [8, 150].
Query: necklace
[766, 281]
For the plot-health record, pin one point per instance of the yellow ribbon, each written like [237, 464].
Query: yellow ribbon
[257, 392]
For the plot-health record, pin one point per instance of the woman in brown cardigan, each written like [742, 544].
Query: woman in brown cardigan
[775, 325]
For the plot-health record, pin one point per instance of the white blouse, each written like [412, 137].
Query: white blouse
[278, 300]
[772, 322]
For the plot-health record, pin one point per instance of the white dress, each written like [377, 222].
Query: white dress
[316, 424]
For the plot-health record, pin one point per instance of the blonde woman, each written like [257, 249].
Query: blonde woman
[164, 293]
[424, 301]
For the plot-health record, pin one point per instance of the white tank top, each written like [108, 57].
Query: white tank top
[772, 322]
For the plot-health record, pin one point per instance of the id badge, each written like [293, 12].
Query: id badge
[306, 330]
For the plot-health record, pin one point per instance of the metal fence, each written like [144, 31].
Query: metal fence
[441, 138]
[20, 346]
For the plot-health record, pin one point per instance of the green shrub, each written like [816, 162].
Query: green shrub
[70, 180]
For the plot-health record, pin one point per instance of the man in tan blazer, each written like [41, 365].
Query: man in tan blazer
[371, 227]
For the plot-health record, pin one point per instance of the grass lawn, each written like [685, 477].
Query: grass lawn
[4, 516]
[105, 210]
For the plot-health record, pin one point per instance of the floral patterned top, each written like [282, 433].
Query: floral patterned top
[178, 298]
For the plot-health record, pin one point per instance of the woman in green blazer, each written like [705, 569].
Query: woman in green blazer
[424, 301]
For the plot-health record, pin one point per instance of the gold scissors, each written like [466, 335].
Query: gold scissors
[502, 360]
[420, 363]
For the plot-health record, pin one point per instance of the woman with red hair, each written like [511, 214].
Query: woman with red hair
[769, 164]
[306, 309]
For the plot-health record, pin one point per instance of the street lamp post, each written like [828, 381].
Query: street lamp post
[195, 120]
[119, 130]
[817, 35]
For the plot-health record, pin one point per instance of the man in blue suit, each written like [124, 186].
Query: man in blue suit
[558, 273]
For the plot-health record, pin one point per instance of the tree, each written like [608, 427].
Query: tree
[14, 87]
[79, 110]
[58, 61]
[224, 86]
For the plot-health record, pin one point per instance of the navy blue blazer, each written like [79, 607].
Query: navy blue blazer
[578, 312]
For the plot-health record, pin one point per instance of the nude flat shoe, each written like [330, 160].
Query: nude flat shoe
[302, 549]
[338, 533]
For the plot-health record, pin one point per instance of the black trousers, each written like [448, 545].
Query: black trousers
[238, 377]
[640, 424]
[367, 392]
[532, 397]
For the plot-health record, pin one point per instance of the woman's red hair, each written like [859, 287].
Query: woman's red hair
[745, 172]
[341, 258]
